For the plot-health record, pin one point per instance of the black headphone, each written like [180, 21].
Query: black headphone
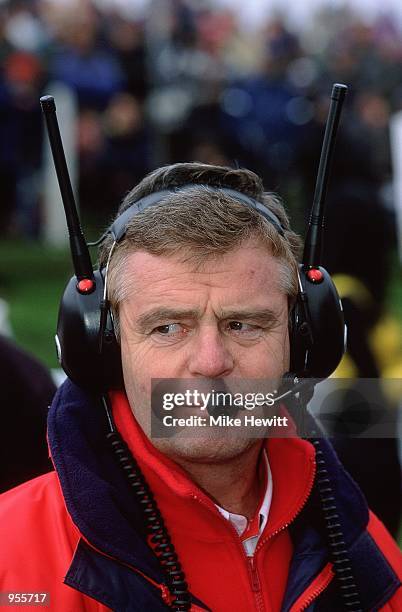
[90, 354]
[87, 347]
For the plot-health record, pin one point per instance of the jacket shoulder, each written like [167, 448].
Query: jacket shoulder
[386, 543]
[31, 502]
[393, 555]
[37, 535]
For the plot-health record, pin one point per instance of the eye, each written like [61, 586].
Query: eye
[169, 333]
[170, 329]
[241, 329]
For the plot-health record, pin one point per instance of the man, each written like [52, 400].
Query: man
[201, 287]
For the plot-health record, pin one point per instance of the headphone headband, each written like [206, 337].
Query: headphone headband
[119, 226]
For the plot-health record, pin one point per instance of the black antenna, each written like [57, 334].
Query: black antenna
[313, 243]
[79, 250]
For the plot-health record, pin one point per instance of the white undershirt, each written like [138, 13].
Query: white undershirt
[240, 522]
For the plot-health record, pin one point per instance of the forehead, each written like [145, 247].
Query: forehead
[247, 274]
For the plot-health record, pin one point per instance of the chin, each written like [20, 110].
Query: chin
[203, 449]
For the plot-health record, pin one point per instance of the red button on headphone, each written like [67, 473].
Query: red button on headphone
[86, 285]
[314, 275]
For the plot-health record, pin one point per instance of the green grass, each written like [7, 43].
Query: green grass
[32, 278]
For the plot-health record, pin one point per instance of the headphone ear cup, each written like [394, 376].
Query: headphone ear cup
[78, 339]
[317, 329]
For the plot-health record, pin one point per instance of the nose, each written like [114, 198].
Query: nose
[210, 356]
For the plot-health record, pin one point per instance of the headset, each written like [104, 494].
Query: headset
[87, 348]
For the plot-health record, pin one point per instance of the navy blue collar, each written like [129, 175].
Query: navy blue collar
[96, 493]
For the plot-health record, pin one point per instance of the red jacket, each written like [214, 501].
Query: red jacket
[83, 533]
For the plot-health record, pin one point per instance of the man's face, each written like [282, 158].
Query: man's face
[224, 320]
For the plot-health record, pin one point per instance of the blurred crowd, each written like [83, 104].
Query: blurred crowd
[174, 80]
[159, 81]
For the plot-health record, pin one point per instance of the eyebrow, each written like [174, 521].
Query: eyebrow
[155, 316]
[264, 316]
[150, 319]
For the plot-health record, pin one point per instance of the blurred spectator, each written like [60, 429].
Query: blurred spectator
[196, 76]
[116, 144]
[128, 40]
[27, 390]
[24, 76]
[81, 61]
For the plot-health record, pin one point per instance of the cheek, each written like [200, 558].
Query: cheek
[269, 359]
[137, 383]
[135, 371]
[143, 362]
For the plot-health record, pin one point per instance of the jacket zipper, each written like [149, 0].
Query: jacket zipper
[256, 584]
[261, 543]
[328, 568]
[252, 570]
[255, 581]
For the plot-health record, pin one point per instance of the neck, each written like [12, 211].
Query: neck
[233, 484]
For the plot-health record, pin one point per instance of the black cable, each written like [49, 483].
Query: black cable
[155, 525]
[336, 541]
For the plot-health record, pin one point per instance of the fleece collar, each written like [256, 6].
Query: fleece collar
[96, 493]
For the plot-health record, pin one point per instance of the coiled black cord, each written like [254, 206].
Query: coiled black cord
[155, 525]
[336, 542]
